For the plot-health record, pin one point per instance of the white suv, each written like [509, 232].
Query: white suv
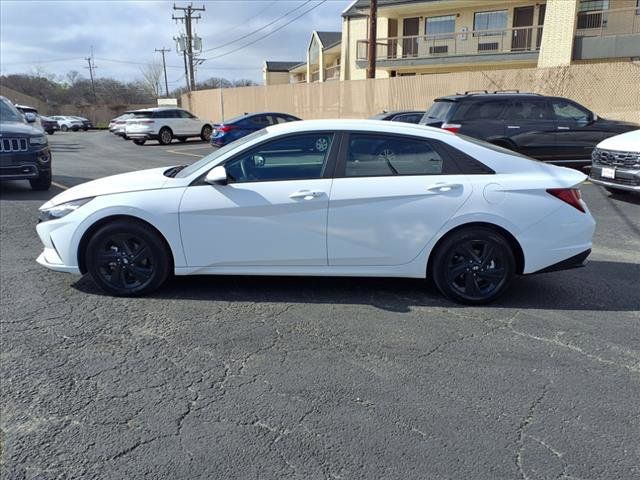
[616, 163]
[67, 123]
[165, 124]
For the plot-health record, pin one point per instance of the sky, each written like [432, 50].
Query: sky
[56, 36]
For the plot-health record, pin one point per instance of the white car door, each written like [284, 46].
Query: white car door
[273, 211]
[393, 195]
[192, 125]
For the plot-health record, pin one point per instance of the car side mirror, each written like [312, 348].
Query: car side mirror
[30, 117]
[217, 176]
[594, 117]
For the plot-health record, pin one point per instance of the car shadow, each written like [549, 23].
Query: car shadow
[64, 147]
[589, 288]
[21, 190]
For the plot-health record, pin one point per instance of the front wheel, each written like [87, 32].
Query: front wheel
[139, 141]
[205, 134]
[127, 258]
[473, 266]
[64, 128]
[51, 132]
[43, 182]
[165, 136]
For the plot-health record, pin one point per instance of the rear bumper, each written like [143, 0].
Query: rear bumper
[576, 261]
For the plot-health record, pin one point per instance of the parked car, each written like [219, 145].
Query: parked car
[552, 129]
[328, 198]
[24, 150]
[118, 124]
[86, 123]
[238, 127]
[49, 125]
[616, 163]
[67, 123]
[407, 116]
[31, 115]
[164, 124]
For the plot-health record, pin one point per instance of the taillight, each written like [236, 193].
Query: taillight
[146, 122]
[452, 127]
[571, 196]
[225, 128]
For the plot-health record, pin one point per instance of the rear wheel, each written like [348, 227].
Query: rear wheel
[205, 134]
[165, 136]
[43, 182]
[127, 258]
[473, 266]
[139, 141]
[182, 139]
[64, 128]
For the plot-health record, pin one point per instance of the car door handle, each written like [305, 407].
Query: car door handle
[444, 187]
[513, 126]
[305, 194]
[563, 128]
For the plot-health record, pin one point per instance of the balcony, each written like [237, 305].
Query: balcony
[459, 47]
[332, 73]
[613, 33]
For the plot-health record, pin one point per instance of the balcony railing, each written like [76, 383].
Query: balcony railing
[315, 76]
[601, 23]
[332, 73]
[478, 42]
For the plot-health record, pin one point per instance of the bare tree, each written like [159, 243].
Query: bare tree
[151, 75]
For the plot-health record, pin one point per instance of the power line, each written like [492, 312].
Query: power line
[259, 29]
[267, 34]
[187, 18]
[244, 22]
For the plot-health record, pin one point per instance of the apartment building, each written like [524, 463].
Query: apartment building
[437, 36]
[275, 72]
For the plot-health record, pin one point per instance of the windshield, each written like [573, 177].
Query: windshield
[439, 109]
[194, 167]
[8, 113]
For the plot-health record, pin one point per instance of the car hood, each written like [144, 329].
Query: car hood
[13, 128]
[626, 142]
[151, 179]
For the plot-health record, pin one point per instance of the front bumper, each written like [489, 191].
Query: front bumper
[625, 178]
[49, 258]
[24, 165]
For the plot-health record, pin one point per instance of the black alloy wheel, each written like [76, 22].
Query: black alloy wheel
[474, 266]
[165, 136]
[139, 141]
[127, 259]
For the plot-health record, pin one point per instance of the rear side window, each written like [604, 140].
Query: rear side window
[439, 110]
[380, 155]
[528, 110]
[261, 120]
[482, 110]
[166, 114]
[407, 118]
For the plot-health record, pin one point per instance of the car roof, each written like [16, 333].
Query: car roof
[366, 125]
[393, 113]
[483, 94]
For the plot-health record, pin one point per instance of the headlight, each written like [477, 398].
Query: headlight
[61, 210]
[41, 140]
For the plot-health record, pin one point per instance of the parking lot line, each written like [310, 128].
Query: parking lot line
[59, 185]
[185, 153]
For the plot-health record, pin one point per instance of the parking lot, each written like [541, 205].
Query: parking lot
[313, 378]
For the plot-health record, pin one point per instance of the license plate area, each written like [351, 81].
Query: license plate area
[608, 172]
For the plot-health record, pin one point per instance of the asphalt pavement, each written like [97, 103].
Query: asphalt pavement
[313, 378]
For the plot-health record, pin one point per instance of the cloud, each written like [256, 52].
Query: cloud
[57, 35]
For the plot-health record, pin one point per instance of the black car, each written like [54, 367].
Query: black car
[86, 123]
[406, 116]
[49, 125]
[24, 150]
[552, 129]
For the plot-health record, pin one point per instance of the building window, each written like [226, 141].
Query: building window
[590, 13]
[593, 5]
[440, 26]
[490, 21]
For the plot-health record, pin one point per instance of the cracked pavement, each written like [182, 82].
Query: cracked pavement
[319, 378]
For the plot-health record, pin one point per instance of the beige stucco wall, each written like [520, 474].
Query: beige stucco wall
[559, 28]
[275, 78]
[597, 86]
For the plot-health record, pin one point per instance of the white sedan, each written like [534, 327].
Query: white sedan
[327, 197]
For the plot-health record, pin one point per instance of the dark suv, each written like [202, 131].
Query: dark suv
[24, 150]
[552, 129]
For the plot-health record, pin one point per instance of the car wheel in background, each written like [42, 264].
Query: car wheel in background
[43, 182]
[85, 128]
[182, 139]
[474, 265]
[165, 136]
[127, 258]
[75, 129]
[205, 134]
[64, 128]
[139, 141]
[51, 132]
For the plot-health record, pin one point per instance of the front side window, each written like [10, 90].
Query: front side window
[528, 110]
[567, 111]
[440, 26]
[490, 22]
[482, 110]
[379, 155]
[8, 113]
[294, 157]
[184, 114]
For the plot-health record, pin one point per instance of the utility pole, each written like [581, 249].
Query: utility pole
[164, 66]
[91, 68]
[186, 71]
[373, 34]
[187, 18]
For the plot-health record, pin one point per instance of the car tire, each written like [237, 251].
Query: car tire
[165, 136]
[182, 139]
[64, 128]
[51, 132]
[473, 266]
[139, 141]
[84, 129]
[43, 182]
[205, 134]
[75, 129]
[126, 258]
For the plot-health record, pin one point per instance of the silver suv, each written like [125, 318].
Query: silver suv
[616, 163]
